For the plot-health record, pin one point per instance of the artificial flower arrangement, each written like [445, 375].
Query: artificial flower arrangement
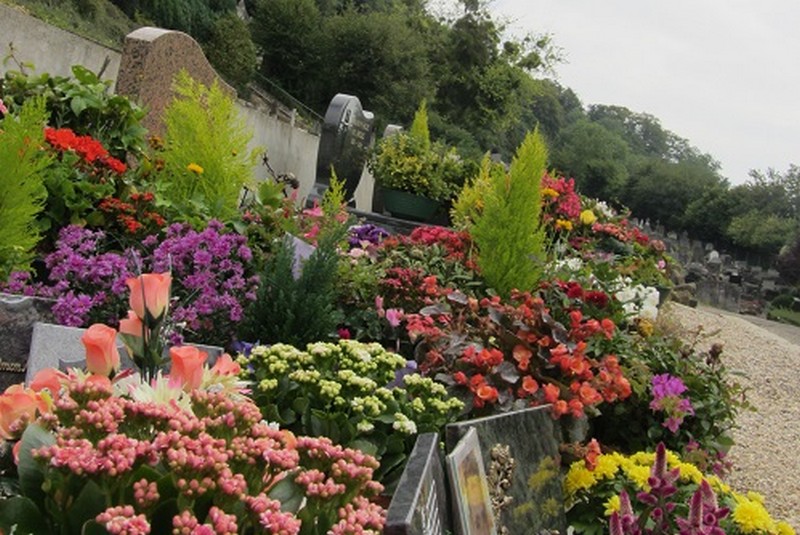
[660, 494]
[105, 451]
[359, 395]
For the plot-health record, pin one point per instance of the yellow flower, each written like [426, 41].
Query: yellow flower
[563, 223]
[645, 327]
[549, 192]
[612, 505]
[784, 529]
[606, 466]
[578, 478]
[690, 472]
[751, 516]
[718, 486]
[588, 217]
[639, 475]
[194, 168]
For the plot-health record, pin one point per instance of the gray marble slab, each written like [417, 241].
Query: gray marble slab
[17, 317]
[533, 500]
[419, 504]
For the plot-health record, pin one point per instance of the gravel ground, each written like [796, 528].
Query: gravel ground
[764, 456]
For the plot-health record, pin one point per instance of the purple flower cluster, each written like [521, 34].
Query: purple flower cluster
[212, 277]
[89, 286]
[368, 234]
[667, 391]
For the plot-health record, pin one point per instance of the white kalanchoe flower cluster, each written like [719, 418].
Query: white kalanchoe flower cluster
[404, 424]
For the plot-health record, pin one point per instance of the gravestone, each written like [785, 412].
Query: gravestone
[419, 503]
[151, 58]
[18, 314]
[524, 444]
[58, 346]
[347, 135]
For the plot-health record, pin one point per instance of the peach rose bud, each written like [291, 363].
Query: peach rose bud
[226, 366]
[187, 366]
[102, 356]
[150, 291]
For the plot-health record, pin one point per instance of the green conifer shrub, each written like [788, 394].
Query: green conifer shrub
[205, 155]
[508, 233]
[22, 191]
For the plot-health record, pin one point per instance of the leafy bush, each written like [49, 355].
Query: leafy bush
[509, 233]
[205, 158]
[22, 191]
[84, 104]
[349, 392]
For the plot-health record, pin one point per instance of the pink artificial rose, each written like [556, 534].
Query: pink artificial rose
[187, 366]
[102, 356]
[226, 366]
[3, 108]
[150, 290]
[15, 403]
[49, 378]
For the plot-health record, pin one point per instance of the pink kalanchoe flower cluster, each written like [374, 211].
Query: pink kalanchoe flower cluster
[667, 397]
[214, 458]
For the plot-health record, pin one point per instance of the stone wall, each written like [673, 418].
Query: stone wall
[51, 49]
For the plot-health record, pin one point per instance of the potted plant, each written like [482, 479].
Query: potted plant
[411, 171]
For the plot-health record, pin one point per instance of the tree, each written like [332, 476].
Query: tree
[231, 51]
[596, 157]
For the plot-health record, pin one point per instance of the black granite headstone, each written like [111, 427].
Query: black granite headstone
[17, 317]
[347, 135]
[419, 503]
[520, 454]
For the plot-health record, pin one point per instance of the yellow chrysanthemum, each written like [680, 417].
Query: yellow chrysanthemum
[563, 224]
[690, 472]
[578, 478]
[751, 516]
[639, 475]
[612, 505]
[784, 529]
[549, 192]
[606, 466]
[194, 168]
[643, 458]
[718, 486]
[588, 217]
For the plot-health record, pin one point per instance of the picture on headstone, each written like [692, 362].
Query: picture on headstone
[469, 490]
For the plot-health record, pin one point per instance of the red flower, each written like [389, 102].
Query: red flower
[487, 393]
[116, 166]
[551, 393]
[460, 378]
[523, 357]
[529, 385]
[62, 139]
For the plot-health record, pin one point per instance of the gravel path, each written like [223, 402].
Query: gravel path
[765, 456]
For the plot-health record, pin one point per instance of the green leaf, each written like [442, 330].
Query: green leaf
[90, 502]
[78, 104]
[84, 75]
[289, 493]
[31, 473]
[93, 528]
[364, 445]
[22, 513]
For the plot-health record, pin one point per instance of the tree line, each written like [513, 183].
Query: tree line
[484, 92]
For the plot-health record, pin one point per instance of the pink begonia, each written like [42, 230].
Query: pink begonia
[394, 316]
[3, 108]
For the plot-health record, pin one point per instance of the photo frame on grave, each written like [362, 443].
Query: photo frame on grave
[469, 491]
[419, 502]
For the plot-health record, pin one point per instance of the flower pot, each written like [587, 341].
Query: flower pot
[404, 205]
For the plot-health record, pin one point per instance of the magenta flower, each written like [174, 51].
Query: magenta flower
[667, 391]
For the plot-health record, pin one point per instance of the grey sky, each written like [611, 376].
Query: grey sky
[724, 74]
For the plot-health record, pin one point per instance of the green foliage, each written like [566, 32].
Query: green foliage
[784, 315]
[509, 234]
[83, 103]
[205, 156]
[419, 126]
[231, 51]
[469, 204]
[760, 231]
[22, 192]
[297, 311]
[716, 396]
[403, 163]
